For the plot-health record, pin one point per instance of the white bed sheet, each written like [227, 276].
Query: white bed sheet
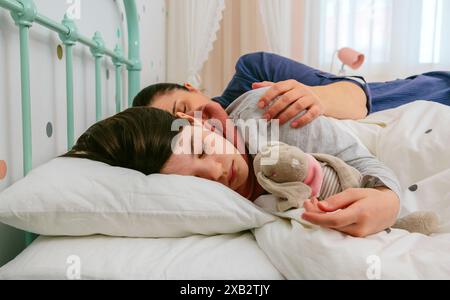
[229, 257]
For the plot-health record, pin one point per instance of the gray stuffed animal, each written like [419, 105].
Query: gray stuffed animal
[295, 176]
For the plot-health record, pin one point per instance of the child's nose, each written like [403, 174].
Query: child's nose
[217, 173]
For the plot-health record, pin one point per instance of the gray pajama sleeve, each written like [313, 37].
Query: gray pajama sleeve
[320, 136]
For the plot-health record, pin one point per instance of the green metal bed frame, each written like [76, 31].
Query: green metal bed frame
[24, 13]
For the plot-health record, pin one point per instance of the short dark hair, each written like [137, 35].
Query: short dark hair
[147, 96]
[137, 138]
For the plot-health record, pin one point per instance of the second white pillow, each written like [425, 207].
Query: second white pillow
[78, 197]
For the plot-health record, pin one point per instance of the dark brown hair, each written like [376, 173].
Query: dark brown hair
[138, 139]
[148, 95]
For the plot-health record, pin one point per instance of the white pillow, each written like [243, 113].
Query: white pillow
[79, 197]
[220, 257]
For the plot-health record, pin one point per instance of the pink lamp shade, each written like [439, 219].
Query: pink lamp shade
[351, 57]
[2, 169]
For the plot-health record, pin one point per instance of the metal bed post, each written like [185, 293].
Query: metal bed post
[118, 64]
[97, 51]
[25, 20]
[69, 41]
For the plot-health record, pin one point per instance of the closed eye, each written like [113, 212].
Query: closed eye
[202, 155]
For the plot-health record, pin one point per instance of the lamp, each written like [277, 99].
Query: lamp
[349, 57]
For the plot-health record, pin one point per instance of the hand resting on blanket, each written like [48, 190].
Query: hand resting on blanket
[296, 176]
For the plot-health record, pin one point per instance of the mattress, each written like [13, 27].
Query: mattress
[224, 257]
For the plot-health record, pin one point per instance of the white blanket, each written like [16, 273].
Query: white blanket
[412, 140]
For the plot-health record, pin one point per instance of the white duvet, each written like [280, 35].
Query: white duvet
[412, 140]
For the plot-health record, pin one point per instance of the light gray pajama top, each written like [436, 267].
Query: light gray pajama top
[320, 136]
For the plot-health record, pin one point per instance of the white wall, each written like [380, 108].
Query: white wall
[48, 83]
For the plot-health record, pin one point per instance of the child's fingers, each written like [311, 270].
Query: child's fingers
[312, 206]
[340, 219]
[342, 200]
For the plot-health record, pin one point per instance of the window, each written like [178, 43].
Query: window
[361, 24]
[398, 37]
[430, 41]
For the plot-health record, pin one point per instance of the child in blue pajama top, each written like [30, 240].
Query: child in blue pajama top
[261, 66]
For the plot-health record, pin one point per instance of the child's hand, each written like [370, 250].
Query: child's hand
[312, 206]
[362, 212]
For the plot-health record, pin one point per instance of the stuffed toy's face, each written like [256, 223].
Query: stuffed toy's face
[285, 171]
[292, 164]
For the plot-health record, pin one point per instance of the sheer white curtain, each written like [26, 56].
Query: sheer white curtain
[398, 37]
[276, 17]
[240, 33]
[192, 29]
